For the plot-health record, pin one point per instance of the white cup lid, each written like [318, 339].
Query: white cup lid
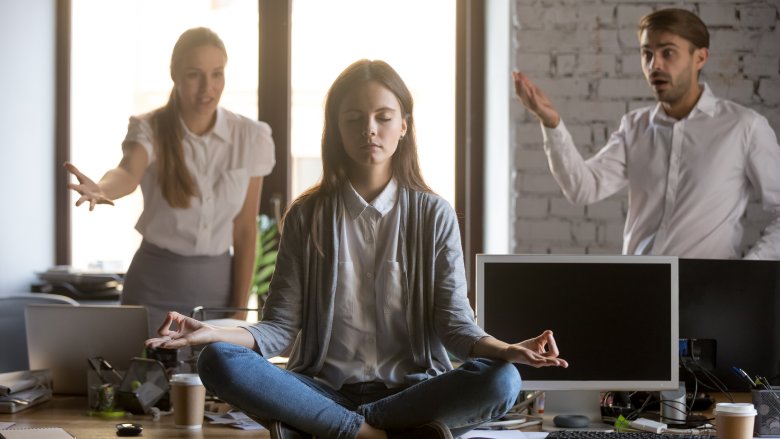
[187, 379]
[735, 408]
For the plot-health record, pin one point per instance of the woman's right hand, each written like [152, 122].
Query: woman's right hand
[186, 331]
[88, 189]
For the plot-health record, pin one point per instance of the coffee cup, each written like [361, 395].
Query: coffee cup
[188, 396]
[734, 420]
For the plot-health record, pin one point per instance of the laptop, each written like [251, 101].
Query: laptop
[62, 337]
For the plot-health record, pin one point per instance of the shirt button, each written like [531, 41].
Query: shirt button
[369, 275]
[205, 227]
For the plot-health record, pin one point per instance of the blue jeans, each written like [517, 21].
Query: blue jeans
[479, 391]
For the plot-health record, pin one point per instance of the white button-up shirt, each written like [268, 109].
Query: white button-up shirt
[221, 163]
[370, 339]
[689, 180]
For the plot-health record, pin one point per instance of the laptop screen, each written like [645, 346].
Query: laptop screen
[62, 337]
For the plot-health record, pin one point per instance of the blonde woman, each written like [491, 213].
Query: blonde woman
[200, 168]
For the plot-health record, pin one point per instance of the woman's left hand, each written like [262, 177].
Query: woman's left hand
[539, 351]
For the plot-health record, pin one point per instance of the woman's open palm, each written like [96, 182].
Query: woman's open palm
[88, 189]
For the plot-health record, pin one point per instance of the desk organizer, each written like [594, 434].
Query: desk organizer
[767, 403]
[144, 384]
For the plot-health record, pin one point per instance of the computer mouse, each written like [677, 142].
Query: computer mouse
[571, 421]
[128, 429]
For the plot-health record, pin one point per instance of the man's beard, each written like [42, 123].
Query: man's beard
[677, 87]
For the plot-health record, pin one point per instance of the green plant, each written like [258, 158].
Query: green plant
[266, 249]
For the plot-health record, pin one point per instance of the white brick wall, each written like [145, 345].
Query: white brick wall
[585, 55]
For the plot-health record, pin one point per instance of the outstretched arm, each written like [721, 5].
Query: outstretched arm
[116, 183]
[582, 181]
[540, 351]
[179, 330]
[535, 100]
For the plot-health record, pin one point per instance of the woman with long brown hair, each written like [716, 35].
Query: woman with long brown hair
[370, 292]
[200, 168]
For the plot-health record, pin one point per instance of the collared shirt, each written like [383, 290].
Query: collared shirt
[689, 180]
[370, 337]
[221, 163]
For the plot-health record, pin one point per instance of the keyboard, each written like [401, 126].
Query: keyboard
[581, 434]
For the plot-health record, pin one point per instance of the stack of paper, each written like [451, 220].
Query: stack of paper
[24, 389]
[235, 419]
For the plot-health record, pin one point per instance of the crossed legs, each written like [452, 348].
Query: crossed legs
[478, 391]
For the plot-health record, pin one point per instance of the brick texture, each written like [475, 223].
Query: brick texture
[585, 55]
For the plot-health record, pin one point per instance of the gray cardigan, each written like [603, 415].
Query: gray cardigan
[299, 308]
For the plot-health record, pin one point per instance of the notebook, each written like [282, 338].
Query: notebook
[62, 337]
[36, 433]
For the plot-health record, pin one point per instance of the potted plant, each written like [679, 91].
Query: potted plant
[265, 260]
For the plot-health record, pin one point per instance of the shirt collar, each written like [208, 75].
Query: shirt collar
[220, 129]
[383, 203]
[706, 104]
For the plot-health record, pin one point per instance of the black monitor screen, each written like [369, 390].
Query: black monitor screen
[614, 318]
[735, 305]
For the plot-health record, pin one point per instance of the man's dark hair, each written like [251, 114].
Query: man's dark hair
[680, 22]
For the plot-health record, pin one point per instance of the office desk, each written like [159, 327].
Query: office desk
[69, 412]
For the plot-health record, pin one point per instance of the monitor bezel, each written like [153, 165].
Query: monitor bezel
[603, 385]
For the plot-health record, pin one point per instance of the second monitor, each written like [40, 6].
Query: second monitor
[615, 318]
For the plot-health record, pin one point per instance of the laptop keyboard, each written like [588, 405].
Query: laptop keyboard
[579, 434]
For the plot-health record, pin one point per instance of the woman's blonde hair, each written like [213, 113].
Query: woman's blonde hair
[176, 182]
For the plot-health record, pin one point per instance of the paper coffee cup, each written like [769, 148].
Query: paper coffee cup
[188, 396]
[734, 420]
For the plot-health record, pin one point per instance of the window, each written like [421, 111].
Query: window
[328, 36]
[394, 21]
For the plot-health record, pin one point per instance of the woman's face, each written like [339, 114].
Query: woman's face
[370, 124]
[200, 79]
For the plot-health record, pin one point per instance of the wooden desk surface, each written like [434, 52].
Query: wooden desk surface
[69, 412]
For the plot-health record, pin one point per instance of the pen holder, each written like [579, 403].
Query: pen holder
[101, 390]
[767, 403]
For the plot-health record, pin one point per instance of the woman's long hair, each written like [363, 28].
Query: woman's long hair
[175, 180]
[336, 162]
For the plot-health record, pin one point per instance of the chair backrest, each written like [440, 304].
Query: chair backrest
[13, 329]
[201, 313]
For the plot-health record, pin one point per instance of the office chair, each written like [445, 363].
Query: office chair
[13, 329]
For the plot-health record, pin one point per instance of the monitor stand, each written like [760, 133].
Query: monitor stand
[573, 402]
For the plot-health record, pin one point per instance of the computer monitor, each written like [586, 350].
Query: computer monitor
[615, 319]
[731, 310]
